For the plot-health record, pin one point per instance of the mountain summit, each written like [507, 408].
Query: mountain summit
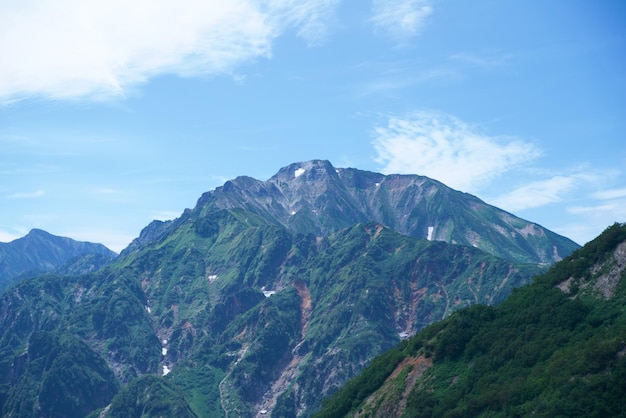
[315, 197]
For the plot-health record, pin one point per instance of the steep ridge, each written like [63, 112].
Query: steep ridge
[315, 197]
[40, 252]
[231, 310]
[553, 348]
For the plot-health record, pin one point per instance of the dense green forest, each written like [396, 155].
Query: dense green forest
[546, 351]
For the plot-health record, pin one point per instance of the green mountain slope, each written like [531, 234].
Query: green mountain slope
[553, 348]
[247, 315]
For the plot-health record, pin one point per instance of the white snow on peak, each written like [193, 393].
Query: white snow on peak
[299, 172]
[431, 229]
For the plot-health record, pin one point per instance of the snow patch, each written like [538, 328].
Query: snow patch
[164, 342]
[166, 370]
[431, 229]
[212, 278]
[377, 184]
[164, 351]
[268, 293]
[299, 172]
[403, 335]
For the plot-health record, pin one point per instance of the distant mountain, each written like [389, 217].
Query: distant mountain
[553, 348]
[262, 299]
[39, 252]
[315, 197]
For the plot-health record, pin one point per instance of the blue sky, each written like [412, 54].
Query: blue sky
[114, 113]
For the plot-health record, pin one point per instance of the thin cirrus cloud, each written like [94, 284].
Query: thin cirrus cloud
[400, 19]
[445, 148]
[100, 49]
[539, 193]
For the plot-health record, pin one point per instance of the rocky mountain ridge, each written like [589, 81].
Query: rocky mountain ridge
[315, 197]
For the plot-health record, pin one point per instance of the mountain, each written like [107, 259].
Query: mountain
[243, 307]
[40, 252]
[315, 197]
[553, 348]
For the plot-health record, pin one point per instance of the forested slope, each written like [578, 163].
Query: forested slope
[556, 347]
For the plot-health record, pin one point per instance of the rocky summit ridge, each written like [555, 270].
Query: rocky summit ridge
[315, 197]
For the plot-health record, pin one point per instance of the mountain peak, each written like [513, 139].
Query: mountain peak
[306, 170]
[315, 197]
[41, 251]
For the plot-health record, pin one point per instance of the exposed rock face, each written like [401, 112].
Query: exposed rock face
[315, 197]
[603, 277]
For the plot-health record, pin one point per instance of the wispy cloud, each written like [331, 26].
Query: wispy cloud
[540, 193]
[610, 194]
[101, 49]
[447, 149]
[26, 195]
[311, 17]
[400, 19]
[609, 207]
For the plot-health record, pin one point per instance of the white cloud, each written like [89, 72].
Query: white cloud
[400, 19]
[8, 237]
[537, 193]
[609, 206]
[100, 49]
[311, 17]
[594, 219]
[446, 149]
[610, 194]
